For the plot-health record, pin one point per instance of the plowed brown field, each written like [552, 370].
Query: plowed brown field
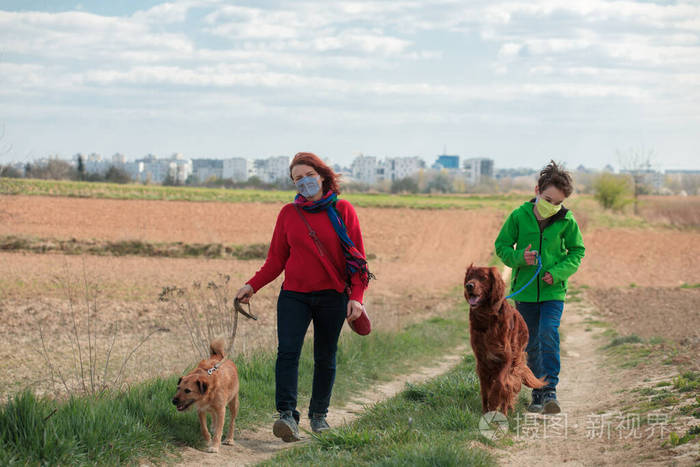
[644, 257]
[652, 312]
[420, 259]
[155, 221]
[420, 255]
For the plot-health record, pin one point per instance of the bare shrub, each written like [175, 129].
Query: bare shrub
[92, 366]
[53, 169]
[207, 312]
[117, 175]
[8, 171]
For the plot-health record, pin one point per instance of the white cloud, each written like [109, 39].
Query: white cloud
[676, 15]
[84, 36]
[165, 13]
[443, 61]
[509, 49]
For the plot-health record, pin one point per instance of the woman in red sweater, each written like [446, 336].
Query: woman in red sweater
[325, 288]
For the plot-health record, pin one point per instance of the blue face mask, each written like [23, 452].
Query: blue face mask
[308, 186]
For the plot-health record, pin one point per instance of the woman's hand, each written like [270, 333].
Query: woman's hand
[355, 309]
[548, 278]
[244, 293]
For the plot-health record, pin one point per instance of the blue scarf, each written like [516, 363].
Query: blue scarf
[354, 260]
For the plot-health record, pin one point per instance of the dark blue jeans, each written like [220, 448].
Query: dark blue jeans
[295, 310]
[542, 321]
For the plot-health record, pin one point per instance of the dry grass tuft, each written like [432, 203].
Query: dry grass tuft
[90, 367]
[206, 311]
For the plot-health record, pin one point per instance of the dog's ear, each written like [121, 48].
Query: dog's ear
[202, 386]
[179, 381]
[498, 288]
[466, 274]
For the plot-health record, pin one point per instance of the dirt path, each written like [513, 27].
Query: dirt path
[257, 445]
[590, 430]
[583, 389]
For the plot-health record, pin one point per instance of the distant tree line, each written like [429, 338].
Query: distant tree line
[56, 169]
[613, 191]
[440, 182]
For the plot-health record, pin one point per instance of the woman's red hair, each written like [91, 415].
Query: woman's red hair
[330, 178]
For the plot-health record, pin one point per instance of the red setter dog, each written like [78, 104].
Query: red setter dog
[498, 336]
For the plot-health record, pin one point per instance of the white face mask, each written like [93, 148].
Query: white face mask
[308, 187]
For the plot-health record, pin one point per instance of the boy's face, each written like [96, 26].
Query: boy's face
[551, 194]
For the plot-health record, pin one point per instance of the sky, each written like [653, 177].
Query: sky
[520, 81]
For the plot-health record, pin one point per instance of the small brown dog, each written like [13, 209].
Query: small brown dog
[210, 387]
[498, 336]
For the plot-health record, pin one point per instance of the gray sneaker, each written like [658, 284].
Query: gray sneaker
[286, 427]
[536, 404]
[319, 423]
[550, 404]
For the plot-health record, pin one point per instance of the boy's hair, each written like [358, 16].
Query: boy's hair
[554, 175]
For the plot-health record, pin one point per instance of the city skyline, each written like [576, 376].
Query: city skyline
[108, 160]
[517, 82]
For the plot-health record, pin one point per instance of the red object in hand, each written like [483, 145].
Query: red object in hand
[361, 325]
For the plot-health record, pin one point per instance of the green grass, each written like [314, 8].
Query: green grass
[113, 429]
[428, 424]
[689, 286]
[574, 295]
[620, 340]
[141, 423]
[675, 398]
[135, 191]
[667, 396]
[675, 440]
[692, 409]
[629, 355]
[10, 186]
[595, 322]
[624, 351]
[688, 381]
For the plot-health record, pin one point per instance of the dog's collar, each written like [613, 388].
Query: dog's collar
[215, 367]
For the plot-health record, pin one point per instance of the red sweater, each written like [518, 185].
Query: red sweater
[295, 253]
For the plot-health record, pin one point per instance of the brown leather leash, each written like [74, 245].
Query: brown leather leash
[237, 306]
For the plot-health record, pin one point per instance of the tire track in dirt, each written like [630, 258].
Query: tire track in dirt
[258, 444]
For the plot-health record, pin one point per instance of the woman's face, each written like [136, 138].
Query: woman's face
[300, 171]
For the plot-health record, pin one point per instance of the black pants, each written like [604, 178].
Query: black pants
[295, 310]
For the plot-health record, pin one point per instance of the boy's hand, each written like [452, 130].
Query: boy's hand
[530, 256]
[548, 278]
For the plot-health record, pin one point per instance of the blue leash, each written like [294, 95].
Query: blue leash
[539, 268]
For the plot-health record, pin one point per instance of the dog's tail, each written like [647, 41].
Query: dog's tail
[529, 379]
[526, 375]
[217, 347]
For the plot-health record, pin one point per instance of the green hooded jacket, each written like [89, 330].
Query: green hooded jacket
[559, 244]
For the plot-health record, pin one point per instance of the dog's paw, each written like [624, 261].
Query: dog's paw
[228, 441]
[213, 449]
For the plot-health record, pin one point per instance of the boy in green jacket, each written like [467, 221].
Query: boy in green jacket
[544, 227]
